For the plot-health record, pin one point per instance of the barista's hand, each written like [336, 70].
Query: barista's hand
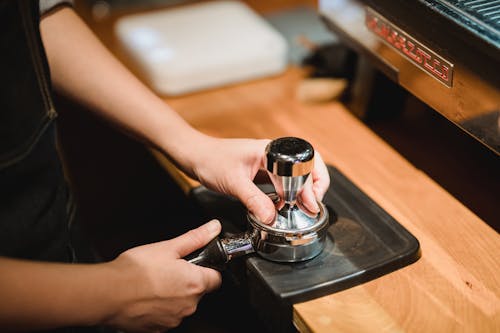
[162, 288]
[230, 165]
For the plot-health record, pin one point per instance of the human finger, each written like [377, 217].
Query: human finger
[212, 279]
[320, 177]
[308, 198]
[194, 239]
[254, 200]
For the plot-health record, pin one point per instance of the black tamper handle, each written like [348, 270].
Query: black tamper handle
[212, 256]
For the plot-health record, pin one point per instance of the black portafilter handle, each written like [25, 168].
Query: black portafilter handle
[220, 251]
[212, 256]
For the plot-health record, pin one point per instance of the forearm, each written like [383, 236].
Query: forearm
[147, 288]
[82, 68]
[37, 295]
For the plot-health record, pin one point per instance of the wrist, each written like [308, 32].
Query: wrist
[115, 292]
[126, 287]
[107, 293]
[187, 149]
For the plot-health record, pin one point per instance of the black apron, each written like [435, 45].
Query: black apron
[35, 209]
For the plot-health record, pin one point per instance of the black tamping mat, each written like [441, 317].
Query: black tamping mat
[364, 243]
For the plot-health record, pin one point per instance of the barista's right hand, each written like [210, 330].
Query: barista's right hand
[161, 287]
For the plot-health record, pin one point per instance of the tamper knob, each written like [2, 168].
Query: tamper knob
[289, 161]
[289, 157]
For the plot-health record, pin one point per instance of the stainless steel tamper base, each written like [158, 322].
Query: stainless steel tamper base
[280, 244]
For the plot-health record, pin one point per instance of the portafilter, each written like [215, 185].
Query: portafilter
[295, 234]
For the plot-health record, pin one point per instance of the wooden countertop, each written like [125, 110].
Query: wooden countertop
[454, 286]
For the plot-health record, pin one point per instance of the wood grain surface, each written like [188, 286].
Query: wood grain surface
[454, 287]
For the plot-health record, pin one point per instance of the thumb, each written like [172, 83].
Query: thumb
[194, 239]
[255, 200]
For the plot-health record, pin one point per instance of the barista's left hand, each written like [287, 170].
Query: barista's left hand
[230, 166]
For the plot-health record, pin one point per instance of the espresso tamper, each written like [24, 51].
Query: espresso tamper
[289, 162]
[295, 234]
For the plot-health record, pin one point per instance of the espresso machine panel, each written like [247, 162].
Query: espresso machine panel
[444, 52]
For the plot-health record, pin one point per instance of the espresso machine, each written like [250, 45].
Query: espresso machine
[302, 255]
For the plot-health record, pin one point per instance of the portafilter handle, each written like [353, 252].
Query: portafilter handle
[289, 161]
[220, 251]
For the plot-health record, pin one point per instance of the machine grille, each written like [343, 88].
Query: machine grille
[483, 12]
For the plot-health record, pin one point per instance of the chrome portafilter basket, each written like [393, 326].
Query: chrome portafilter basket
[296, 234]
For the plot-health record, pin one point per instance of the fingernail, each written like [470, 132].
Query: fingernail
[213, 227]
